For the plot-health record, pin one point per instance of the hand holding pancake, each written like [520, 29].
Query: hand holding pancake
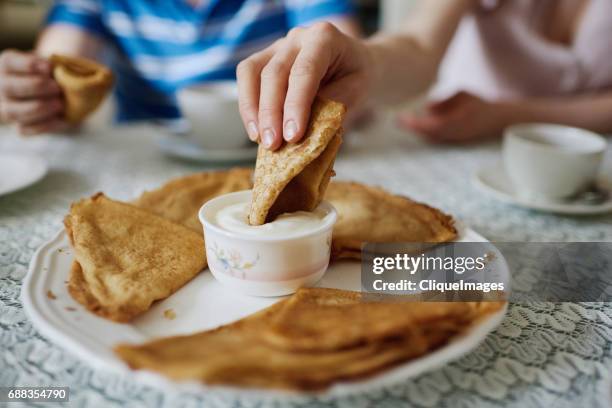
[277, 86]
[29, 96]
[295, 177]
[84, 82]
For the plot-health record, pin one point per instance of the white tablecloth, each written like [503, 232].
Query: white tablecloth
[550, 355]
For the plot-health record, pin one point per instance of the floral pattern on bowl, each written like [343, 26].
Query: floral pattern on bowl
[232, 262]
[261, 265]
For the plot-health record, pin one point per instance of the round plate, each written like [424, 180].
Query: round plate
[18, 171]
[493, 180]
[202, 304]
[180, 146]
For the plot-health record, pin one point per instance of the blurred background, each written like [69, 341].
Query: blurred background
[21, 19]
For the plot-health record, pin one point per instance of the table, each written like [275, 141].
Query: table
[548, 355]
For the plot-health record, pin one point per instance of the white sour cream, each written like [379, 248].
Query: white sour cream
[234, 218]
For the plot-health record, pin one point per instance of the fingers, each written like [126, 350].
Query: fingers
[435, 128]
[448, 103]
[26, 112]
[28, 94]
[273, 89]
[17, 62]
[277, 87]
[28, 86]
[46, 126]
[304, 80]
[248, 75]
[430, 125]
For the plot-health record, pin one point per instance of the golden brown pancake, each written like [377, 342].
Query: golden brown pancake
[371, 214]
[180, 199]
[127, 258]
[315, 319]
[84, 83]
[240, 354]
[235, 355]
[295, 176]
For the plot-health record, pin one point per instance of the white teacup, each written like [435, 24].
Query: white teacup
[553, 162]
[212, 111]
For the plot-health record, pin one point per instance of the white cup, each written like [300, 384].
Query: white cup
[212, 111]
[552, 162]
[263, 265]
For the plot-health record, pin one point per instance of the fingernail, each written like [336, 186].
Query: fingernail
[268, 138]
[252, 131]
[290, 130]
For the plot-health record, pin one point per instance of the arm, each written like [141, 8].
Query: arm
[416, 51]
[68, 39]
[582, 77]
[278, 85]
[467, 118]
[590, 111]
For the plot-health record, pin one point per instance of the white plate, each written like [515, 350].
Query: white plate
[201, 304]
[180, 146]
[493, 180]
[18, 171]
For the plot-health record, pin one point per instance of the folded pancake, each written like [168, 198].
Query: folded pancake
[84, 83]
[236, 355]
[371, 214]
[126, 258]
[295, 176]
[315, 319]
[180, 199]
[240, 354]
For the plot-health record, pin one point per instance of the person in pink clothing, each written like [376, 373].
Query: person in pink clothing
[484, 65]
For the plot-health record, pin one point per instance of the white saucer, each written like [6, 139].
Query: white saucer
[18, 171]
[180, 146]
[494, 181]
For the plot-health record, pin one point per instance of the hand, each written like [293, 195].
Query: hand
[278, 85]
[461, 118]
[29, 97]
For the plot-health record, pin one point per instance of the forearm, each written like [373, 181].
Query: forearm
[401, 69]
[406, 63]
[66, 39]
[592, 111]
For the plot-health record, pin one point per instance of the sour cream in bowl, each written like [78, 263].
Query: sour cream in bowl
[272, 259]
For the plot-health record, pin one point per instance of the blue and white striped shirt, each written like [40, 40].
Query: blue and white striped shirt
[161, 46]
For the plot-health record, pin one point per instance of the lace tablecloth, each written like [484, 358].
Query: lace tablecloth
[544, 355]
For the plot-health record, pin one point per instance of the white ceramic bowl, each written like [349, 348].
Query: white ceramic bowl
[260, 265]
[546, 161]
[212, 111]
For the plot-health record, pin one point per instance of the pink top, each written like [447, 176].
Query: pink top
[499, 52]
